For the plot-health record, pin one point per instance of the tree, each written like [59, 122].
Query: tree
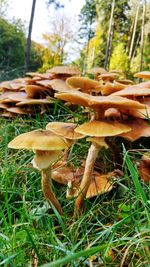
[134, 31]
[142, 35]
[12, 45]
[87, 18]
[28, 44]
[119, 59]
[57, 41]
[109, 37]
[118, 29]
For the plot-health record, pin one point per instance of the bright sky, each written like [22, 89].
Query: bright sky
[22, 9]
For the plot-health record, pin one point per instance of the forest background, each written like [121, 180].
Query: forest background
[111, 34]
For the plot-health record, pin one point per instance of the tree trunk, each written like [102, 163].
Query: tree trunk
[134, 31]
[109, 38]
[142, 35]
[28, 44]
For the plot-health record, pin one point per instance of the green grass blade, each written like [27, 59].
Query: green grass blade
[75, 256]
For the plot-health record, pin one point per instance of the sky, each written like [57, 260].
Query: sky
[22, 9]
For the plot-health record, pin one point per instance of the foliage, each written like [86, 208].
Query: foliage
[56, 42]
[119, 59]
[12, 50]
[12, 45]
[87, 18]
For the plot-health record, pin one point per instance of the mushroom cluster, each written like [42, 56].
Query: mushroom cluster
[113, 108]
[32, 94]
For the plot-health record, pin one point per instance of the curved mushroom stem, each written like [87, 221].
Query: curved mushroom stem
[89, 165]
[47, 189]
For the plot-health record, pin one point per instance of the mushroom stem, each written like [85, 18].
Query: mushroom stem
[89, 165]
[47, 189]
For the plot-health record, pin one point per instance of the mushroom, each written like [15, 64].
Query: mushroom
[99, 184]
[85, 84]
[95, 129]
[17, 110]
[48, 149]
[64, 72]
[111, 87]
[108, 76]
[143, 74]
[35, 91]
[144, 167]
[69, 70]
[96, 72]
[139, 128]
[65, 130]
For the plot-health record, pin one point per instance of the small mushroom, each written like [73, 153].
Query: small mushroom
[67, 70]
[48, 149]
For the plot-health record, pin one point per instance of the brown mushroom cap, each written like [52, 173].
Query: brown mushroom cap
[96, 71]
[34, 102]
[39, 140]
[143, 74]
[74, 97]
[63, 174]
[39, 75]
[133, 92]
[135, 89]
[125, 81]
[108, 76]
[59, 85]
[110, 88]
[139, 113]
[113, 101]
[17, 110]
[3, 106]
[144, 168]
[100, 184]
[70, 70]
[18, 96]
[55, 84]
[8, 114]
[84, 83]
[64, 129]
[139, 128]
[5, 96]
[5, 85]
[102, 128]
[96, 102]
[33, 90]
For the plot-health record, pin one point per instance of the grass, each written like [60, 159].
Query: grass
[114, 229]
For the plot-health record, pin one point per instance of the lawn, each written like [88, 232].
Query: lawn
[113, 229]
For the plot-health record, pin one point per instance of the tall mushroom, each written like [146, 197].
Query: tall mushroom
[48, 149]
[95, 129]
